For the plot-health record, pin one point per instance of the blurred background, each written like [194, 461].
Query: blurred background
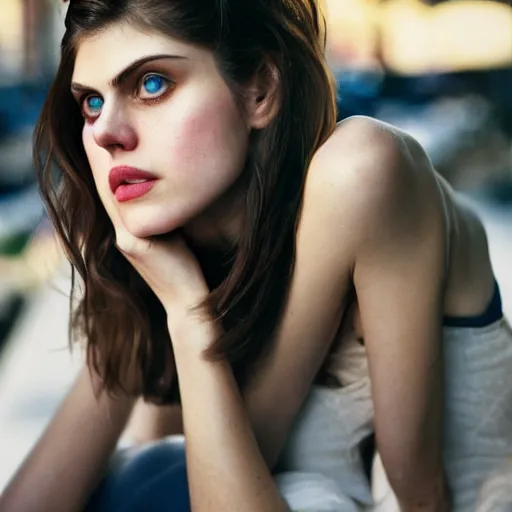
[442, 70]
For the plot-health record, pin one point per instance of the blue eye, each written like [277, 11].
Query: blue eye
[91, 106]
[94, 104]
[153, 84]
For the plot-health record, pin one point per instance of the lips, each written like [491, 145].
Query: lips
[127, 183]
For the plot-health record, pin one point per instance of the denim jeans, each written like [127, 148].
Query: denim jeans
[151, 478]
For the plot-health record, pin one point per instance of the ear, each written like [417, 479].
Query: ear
[262, 98]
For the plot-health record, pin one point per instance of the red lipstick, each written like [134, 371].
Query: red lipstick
[127, 183]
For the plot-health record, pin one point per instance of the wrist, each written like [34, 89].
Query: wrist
[191, 329]
[186, 302]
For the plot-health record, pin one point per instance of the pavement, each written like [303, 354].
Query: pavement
[37, 368]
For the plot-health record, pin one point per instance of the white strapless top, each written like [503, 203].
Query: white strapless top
[332, 424]
[327, 435]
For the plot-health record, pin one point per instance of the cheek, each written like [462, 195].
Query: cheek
[207, 136]
[211, 129]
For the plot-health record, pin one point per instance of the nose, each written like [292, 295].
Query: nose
[113, 131]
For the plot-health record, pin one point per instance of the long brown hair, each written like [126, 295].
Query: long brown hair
[122, 321]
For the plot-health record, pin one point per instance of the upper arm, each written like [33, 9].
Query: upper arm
[365, 220]
[399, 278]
[311, 317]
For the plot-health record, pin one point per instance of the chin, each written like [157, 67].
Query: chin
[148, 230]
[148, 226]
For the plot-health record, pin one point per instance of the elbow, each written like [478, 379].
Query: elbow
[270, 455]
[270, 445]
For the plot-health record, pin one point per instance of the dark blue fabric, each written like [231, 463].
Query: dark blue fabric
[492, 314]
[154, 479]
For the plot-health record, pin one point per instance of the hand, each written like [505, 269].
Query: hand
[167, 265]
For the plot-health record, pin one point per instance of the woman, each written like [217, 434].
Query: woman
[232, 239]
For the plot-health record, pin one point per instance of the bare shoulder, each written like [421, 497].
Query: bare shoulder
[366, 157]
[369, 173]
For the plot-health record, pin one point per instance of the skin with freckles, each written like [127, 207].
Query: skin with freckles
[172, 116]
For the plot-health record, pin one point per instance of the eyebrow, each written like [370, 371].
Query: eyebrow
[125, 74]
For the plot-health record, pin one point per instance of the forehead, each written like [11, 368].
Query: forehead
[101, 56]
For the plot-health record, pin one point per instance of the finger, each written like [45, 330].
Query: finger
[130, 245]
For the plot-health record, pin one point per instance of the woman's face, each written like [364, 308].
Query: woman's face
[164, 137]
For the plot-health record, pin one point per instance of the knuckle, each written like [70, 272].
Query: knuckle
[128, 244]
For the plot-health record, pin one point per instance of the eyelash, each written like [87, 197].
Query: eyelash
[168, 86]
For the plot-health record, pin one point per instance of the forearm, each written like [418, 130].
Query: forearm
[435, 498]
[225, 467]
[150, 422]
[420, 486]
[418, 482]
[409, 421]
[70, 458]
